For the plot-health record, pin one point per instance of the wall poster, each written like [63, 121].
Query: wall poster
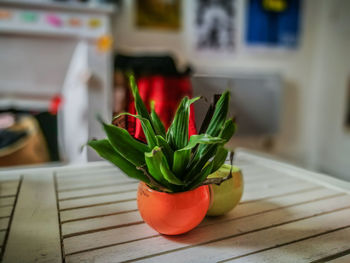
[158, 14]
[215, 25]
[273, 23]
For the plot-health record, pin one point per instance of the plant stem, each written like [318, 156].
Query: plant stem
[218, 180]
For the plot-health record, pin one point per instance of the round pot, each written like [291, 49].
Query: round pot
[228, 194]
[173, 213]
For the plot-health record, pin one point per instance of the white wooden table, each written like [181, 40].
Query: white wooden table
[89, 214]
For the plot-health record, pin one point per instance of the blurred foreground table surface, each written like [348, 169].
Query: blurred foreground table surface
[89, 214]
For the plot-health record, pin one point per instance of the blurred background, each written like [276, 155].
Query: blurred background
[286, 63]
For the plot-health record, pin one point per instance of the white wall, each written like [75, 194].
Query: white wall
[25, 71]
[330, 140]
[301, 70]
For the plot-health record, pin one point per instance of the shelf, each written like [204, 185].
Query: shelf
[24, 104]
[50, 33]
[53, 23]
[74, 7]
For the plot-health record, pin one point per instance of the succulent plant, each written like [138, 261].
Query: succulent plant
[170, 161]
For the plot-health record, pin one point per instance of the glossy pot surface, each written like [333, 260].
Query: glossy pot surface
[173, 213]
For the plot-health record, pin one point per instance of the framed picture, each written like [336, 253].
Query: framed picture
[215, 25]
[158, 14]
[273, 23]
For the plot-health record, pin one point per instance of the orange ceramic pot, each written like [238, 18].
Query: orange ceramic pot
[173, 214]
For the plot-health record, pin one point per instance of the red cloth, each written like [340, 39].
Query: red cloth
[55, 104]
[167, 93]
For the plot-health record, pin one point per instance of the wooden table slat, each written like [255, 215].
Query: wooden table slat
[241, 211]
[110, 189]
[75, 172]
[200, 234]
[94, 184]
[7, 177]
[96, 211]
[96, 200]
[282, 189]
[2, 237]
[342, 259]
[4, 223]
[104, 222]
[5, 211]
[6, 201]
[308, 250]
[92, 177]
[8, 188]
[229, 247]
[285, 216]
[257, 241]
[34, 234]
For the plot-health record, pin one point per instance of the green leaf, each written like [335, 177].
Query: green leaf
[217, 121]
[126, 145]
[225, 134]
[196, 166]
[157, 123]
[202, 175]
[181, 160]
[182, 156]
[146, 127]
[205, 152]
[166, 149]
[228, 130]
[219, 159]
[202, 139]
[211, 150]
[168, 174]
[139, 105]
[219, 116]
[159, 169]
[153, 160]
[177, 135]
[106, 151]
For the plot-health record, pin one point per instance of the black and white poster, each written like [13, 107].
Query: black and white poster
[215, 25]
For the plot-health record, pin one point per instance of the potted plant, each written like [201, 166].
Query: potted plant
[173, 168]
